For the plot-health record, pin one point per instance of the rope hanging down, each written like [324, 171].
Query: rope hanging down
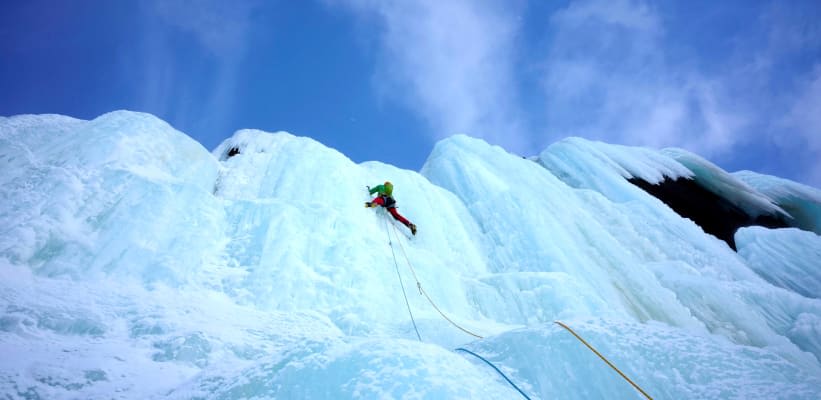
[400, 281]
[497, 370]
[422, 291]
[603, 359]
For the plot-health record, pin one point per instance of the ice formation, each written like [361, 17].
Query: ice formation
[134, 263]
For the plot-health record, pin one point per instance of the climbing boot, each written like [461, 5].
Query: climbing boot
[413, 229]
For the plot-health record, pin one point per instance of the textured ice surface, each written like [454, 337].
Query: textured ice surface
[136, 264]
[801, 201]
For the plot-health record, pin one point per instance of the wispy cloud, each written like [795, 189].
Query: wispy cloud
[451, 62]
[623, 71]
[803, 125]
[219, 26]
[205, 96]
[608, 76]
[636, 16]
[805, 114]
[794, 96]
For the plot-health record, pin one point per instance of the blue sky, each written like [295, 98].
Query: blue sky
[738, 82]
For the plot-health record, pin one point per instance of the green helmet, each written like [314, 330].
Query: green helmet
[388, 188]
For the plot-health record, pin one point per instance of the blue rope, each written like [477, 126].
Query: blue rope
[400, 280]
[497, 370]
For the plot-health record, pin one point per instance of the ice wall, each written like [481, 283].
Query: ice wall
[138, 263]
[803, 203]
[693, 187]
[117, 194]
[625, 255]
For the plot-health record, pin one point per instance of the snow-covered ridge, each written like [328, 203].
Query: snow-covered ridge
[801, 201]
[135, 263]
[573, 158]
[726, 185]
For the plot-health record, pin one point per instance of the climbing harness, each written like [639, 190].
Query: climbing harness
[400, 282]
[603, 359]
[497, 370]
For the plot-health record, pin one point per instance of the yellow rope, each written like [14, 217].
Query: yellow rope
[422, 291]
[604, 359]
[445, 316]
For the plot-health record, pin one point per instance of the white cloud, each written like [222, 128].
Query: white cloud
[628, 14]
[452, 62]
[803, 127]
[813, 176]
[722, 127]
[607, 76]
[614, 70]
[621, 71]
[219, 26]
[805, 114]
[205, 97]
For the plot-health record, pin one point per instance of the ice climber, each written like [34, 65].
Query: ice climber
[385, 199]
